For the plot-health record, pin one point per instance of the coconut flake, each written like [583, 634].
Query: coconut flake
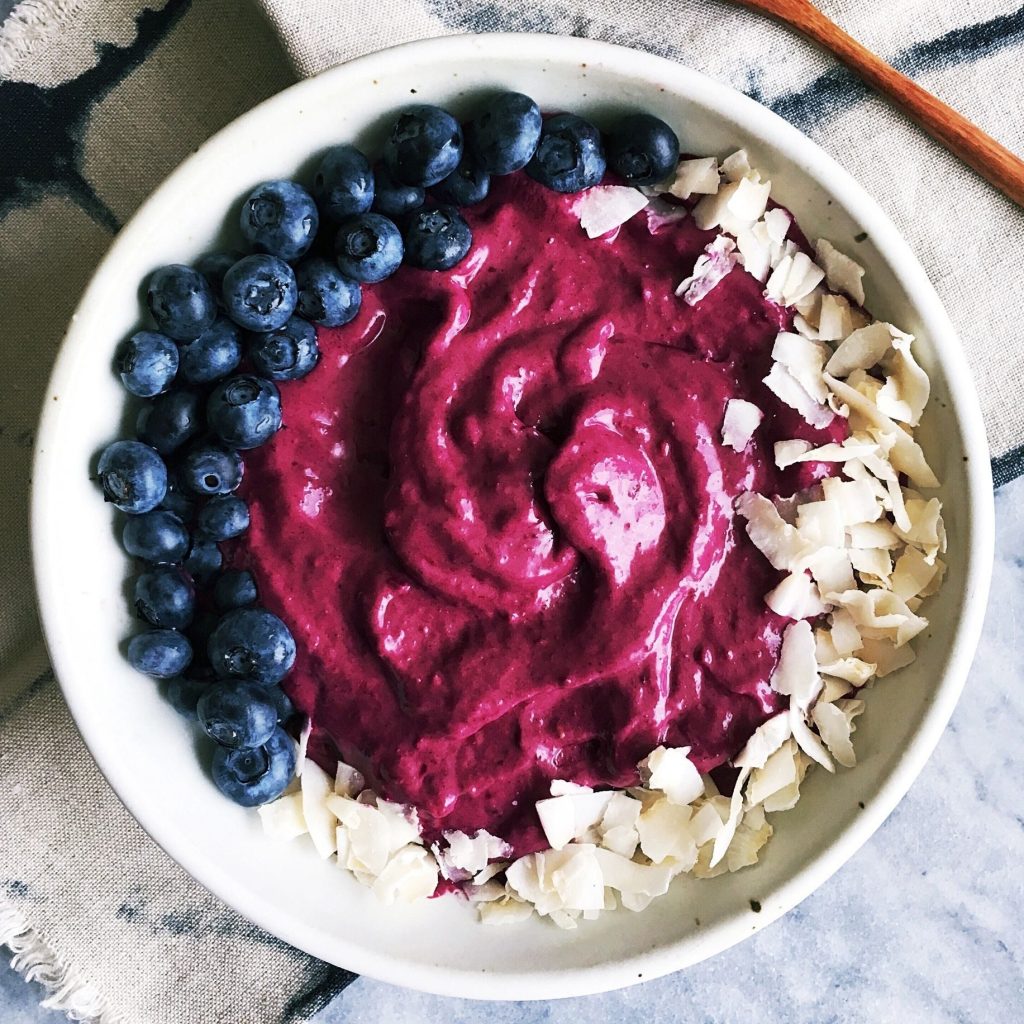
[779, 542]
[863, 349]
[317, 785]
[282, 818]
[567, 817]
[747, 204]
[741, 420]
[905, 392]
[913, 573]
[805, 360]
[820, 524]
[670, 771]
[665, 836]
[712, 267]
[737, 166]
[790, 391]
[604, 208]
[796, 597]
[885, 656]
[699, 175]
[881, 615]
[662, 214]
[505, 911]
[856, 500]
[842, 273]
[926, 529]
[832, 571]
[835, 729]
[348, 781]
[778, 771]
[300, 753]
[778, 223]
[766, 739]
[725, 836]
[796, 674]
[472, 854]
[410, 875]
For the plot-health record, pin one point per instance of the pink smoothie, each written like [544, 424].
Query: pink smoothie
[499, 518]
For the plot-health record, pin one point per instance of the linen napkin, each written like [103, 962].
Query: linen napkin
[99, 100]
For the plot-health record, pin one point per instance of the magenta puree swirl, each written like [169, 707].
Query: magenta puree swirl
[499, 518]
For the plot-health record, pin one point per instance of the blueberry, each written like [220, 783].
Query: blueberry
[280, 218]
[282, 703]
[147, 363]
[468, 184]
[343, 183]
[252, 642]
[504, 135]
[161, 653]
[326, 296]
[170, 421]
[214, 354]
[288, 353]
[369, 248]
[178, 501]
[159, 537]
[569, 157]
[181, 301]
[235, 588]
[391, 197]
[260, 292]
[237, 714]
[208, 470]
[214, 265]
[204, 560]
[437, 239]
[244, 411]
[133, 476]
[424, 145]
[224, 517]
[643, 149]
[183, 694]
[255, 776]
[165, 597]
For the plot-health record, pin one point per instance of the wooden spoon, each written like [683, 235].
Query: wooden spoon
[992, 161]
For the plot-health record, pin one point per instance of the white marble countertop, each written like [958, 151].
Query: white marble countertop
[924, 924]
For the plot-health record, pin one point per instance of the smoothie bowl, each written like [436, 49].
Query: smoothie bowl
[526, 544]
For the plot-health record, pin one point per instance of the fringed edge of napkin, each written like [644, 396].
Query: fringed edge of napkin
[30, 23]
[35, 960]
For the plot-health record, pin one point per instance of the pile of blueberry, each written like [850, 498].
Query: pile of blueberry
[231, 326]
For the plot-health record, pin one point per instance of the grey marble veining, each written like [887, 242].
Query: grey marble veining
[925, 924]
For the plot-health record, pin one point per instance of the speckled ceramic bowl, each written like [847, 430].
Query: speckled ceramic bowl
[148, 753]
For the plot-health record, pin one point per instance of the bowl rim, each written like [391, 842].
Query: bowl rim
[604, 976]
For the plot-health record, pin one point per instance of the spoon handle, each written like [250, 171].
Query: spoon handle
[992, 161]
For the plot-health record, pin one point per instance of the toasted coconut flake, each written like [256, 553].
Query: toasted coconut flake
[707, 821]
[712, 267]
[670, 771]
[849, 670]
[604, 208]
[906, 455]
[755, 249]
[806, 739]
[845, 636]
[926, 531]
[873, 565]
[712, 209]
[881, 615]
[282, 818]
[575, 875]
[348, 781]
[766, 739]
[747, 204]
[751, 836]
[779, 542]
[873, 535]
[472, 854]
[632, 880]
[855, 498]
[796, 674]
[913, 573]
[863, 349]
[803, 277]
[410, 875]
[778, 772]
[831, 569]
[778, 223]
[789, 390]
[317, 785]
[835, 729]
[665, 835]
[843, 274]
[905, 392]
[805, 329]
[725, 836]
[833, 690]
[835, 322]
[821, 525]
[699, 175]
[787, 453]
[569, 816]
[737, 166]
[787, 797]
[886, 656]
[804, 359]
[796, 597]
[741, 420]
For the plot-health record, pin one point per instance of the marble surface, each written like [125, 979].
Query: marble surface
[923, 925]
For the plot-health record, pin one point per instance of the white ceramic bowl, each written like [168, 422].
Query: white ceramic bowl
[149, 755]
